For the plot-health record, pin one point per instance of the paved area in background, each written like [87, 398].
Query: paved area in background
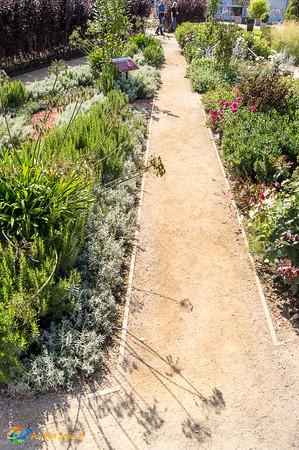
[41, 74]
[201, 371]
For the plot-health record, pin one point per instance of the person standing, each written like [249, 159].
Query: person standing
[174, 13]
[161, 17]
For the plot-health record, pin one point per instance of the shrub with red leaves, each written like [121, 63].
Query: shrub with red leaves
[31, 26]
[188, 10]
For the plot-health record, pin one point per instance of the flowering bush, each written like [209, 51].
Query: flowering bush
[275, 227]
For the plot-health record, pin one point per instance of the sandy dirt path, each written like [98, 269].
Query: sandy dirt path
[200, 369]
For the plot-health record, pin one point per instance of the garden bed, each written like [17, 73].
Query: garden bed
[72, 154]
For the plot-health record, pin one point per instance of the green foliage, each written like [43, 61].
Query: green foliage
[13, 130]
[203, 75]
[36, 197]
[292, 12]
[65, 80]
[109, 29]
[257, 8]
[213, 6]
[141, 41]
[275, 229]
[257, 45]
[96, 59]
[30, 289]
[76, 344]
[141, 84]
[252, 143]
[226, 36]
[96, 142]
[212, 98]
[12, 94]
[148, 46]
[153, 54]
[196, 39]
[107, 78]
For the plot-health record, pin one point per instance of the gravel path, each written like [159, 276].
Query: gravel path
[201, 371]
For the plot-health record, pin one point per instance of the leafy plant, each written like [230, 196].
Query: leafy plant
[257, 8]
[141, 84]
[275, 228]
[109, 29]
[203, 75]
[253, 142]
[12, 94]
[226, 36]
[35, 197]
[292, 11]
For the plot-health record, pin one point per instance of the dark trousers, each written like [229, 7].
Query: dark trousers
[159, 28]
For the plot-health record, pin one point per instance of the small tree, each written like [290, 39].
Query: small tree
[292, 12]
[213, 6]
[257, 8]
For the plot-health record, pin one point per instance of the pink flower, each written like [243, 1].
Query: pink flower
[253, 108]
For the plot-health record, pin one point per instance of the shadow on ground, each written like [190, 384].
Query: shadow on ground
[125, 410]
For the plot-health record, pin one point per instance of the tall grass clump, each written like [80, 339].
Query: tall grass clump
[286, 38]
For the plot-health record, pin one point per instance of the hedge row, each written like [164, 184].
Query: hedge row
[32, 26]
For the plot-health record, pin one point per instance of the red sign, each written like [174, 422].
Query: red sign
[125, 64]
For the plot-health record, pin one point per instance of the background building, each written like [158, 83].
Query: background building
[236, 10]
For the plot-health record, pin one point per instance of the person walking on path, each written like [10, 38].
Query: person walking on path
[174, 13]
[161, 17]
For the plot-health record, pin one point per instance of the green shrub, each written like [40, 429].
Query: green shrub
[141, 41]
[29, 291]
[96, 60]
[37, 197]
[252, 143]
[13, 130]
[149, 47]
[256, 44]
[141, 84]
[212, 98]
[12, 94]
[257, 8]
[107, 78]
[97, 142]
[153, 55]
[275, 230]
[76, 344]
[64, 81]
[203, 75]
